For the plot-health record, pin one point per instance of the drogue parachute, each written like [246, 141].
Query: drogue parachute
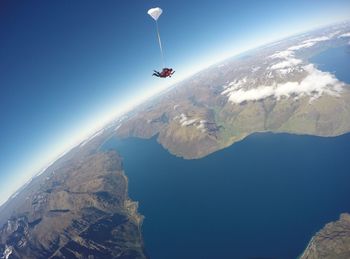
[155, 13]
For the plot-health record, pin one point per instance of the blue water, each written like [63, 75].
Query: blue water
[263, 197]
[335, 60]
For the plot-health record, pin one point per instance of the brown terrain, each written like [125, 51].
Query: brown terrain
[331, 242]
[79, 206]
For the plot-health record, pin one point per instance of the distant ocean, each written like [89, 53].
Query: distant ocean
[263, 197]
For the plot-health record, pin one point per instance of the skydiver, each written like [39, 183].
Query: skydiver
[166, 72]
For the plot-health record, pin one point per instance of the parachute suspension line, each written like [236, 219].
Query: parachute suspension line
[160, 44]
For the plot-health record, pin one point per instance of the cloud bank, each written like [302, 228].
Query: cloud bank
[313, 85]
[345, 35]
[309, 43]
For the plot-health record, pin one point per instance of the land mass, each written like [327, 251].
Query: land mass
[331, 242]
[79, 207]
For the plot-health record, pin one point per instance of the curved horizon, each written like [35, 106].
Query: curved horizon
[20, 168]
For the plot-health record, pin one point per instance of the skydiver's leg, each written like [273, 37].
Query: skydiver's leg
[156, 73]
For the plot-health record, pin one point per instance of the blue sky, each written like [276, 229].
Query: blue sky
[65, 64]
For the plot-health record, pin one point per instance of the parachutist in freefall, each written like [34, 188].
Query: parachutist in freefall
[166, 72]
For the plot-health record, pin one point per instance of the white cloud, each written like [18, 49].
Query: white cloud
[302, 46]
[308, 43]
[285, 71]
[331, 35]
[235, 85]
[282, 54]
[258, 93]
[188, 122]
[202, 125]
[290, 62]
[196, 122]
[255, 69]
[313, 85]
[345, 35]
[184, 120]
[318, 39]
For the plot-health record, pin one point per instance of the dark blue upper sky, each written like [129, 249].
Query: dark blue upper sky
[64, 64]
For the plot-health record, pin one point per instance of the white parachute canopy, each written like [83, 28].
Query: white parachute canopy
[155, 13]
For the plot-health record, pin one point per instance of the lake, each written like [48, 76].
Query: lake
[335, 60]
[263, 197]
